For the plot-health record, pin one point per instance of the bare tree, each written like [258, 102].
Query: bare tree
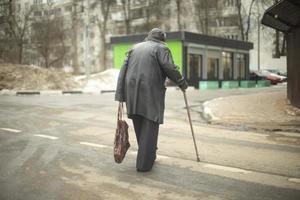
[126, 8]
[74, 34]
[49, 40]
[102, 21]
[244, 18]
[155, 14]
[16, 25]
[179, 5]
[280, 39]
[201, 9]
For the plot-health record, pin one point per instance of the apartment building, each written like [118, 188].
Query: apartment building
[84, 43]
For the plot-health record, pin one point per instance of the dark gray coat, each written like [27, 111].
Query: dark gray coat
[142, 78]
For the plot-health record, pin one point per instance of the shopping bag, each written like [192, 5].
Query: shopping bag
[121, 143]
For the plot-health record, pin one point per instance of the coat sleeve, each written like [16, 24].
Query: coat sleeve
[169, 68]
[120, 90]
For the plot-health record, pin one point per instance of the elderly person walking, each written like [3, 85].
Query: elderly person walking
[141, 84]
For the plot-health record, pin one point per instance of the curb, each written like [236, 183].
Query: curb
[28, 93]
[107, 91]
[50, 92]
[72, 92]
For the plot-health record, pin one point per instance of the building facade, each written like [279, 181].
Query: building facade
[81, 20]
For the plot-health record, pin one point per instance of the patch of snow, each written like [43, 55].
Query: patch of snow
[207, 112]
[106, 80]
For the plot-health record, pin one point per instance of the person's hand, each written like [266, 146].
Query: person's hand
[183, 86]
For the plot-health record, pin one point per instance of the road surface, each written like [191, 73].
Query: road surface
[60, 147]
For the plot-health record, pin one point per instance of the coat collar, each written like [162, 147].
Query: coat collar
[154, 40]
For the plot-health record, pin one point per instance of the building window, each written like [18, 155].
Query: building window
[92, 35]
[57, 11]
[209, 4]
[37, 13]
[37, 1]
[27, 6]
[51, 12]
[68, 8]
[195, 67]
[18, 7]
[241, 66]
[137, 13]
[230, 3]
[227, 65]
[212, 68]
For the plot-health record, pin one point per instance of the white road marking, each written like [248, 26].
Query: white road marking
[11, 130]
[225, 168]
[93, 144]
[295, 180]
[46, 136]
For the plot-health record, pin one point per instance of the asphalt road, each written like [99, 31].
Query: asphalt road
[60, 147]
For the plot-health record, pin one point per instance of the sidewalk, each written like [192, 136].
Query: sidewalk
[264, 111]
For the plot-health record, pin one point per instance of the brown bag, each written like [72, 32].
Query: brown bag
[121, 144]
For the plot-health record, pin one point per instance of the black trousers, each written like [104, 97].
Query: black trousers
[146, 132]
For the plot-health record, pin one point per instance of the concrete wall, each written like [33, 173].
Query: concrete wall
[293, 66]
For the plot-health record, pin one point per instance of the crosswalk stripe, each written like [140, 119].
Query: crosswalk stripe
[11, 130]
[46, 136]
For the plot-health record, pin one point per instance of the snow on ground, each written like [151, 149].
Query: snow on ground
[106, 80]
[25, 77]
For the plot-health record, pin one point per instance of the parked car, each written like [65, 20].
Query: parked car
[276, 71]
[256, 75]
[273, 76]
[266, 75]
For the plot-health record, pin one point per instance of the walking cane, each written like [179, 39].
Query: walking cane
[189, 115]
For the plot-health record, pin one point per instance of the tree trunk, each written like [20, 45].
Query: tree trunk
[20, 53]
[75, 40]
[178, 6]
[105, 9]
[206, 17]
[128, 28]
[103, 48]
[126, 4]
[277, 51]
[46, 60]
[283, 47]
[246, 35]
[241, 25]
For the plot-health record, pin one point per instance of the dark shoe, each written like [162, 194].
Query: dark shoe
[143, 170]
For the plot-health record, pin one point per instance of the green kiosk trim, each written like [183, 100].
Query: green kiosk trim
[120, 49]
[263, 83]
[204, 85]
[230, 84]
